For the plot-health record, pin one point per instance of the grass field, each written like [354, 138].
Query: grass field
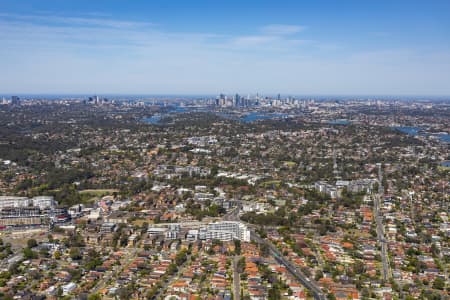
[99, 192]
[290, 164]
[269, 183]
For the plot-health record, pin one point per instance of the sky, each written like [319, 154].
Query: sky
[345, 47]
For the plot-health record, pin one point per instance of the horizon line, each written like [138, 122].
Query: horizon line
[216, 94]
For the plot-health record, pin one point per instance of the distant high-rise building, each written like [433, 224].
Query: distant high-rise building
[237, 100]
[15, 100]
[94, 100]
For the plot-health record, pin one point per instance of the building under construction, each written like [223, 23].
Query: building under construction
[13, 216]
[22, 211]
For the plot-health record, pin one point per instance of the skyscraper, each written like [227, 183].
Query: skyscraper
[237, 100]
[15, 100]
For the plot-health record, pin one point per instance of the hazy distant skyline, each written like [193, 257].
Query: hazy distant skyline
[206, 47]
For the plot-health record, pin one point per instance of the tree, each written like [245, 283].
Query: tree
[319, 274]
[172, 269]
[265, 251]
[152, 292]
[237, 247]
[124, 293]
[358, 267]
[94, 297]
[180, 258]
[44, 252]
[14, 268]
[274, 294]
[29, 254]
[241, 265]
[75, 253]
[331, 296]
[31, 243]
[439, 283]
[434, 249]
[59, 292]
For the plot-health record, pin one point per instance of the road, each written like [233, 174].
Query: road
[319, 257]
[380, 229]
[124, 263]
[171, 278]
[296, 272]
[236, 279]
[232, 215]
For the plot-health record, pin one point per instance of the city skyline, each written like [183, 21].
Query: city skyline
[351, 48]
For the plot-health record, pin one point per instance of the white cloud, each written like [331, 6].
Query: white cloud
[279, 29]
[253, 40]
[100, 21]
[96, 54]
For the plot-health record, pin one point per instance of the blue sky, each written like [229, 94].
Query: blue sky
[344, 47]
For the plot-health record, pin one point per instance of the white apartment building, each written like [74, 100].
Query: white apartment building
[41, 201]
[225, 231]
